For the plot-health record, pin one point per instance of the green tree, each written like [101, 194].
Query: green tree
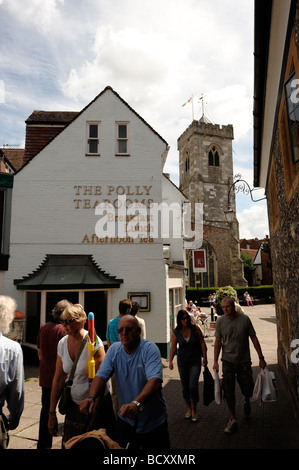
[249, 267]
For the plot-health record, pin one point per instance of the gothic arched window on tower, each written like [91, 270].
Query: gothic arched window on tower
[214, 157]
[187, 161]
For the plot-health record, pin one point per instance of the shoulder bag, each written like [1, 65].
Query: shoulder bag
[65, 399]
[208, 387]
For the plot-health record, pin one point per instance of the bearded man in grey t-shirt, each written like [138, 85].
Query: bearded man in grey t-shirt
[233, 331]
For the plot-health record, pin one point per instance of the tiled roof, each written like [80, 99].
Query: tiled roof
[51, 117]
[251, 253]
[68, 272]
[15, 157]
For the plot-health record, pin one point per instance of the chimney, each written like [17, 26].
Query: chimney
[42, 127]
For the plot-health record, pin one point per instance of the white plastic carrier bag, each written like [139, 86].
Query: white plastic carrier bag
[217, 387]
[265, 387]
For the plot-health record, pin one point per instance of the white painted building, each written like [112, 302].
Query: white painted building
[56, 251]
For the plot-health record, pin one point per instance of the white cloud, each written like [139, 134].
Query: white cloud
[154, 54]
[157, 54]
[43, 14]
[125, 60]
[253, 222]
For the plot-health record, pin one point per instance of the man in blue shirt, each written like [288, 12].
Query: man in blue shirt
[142, 415]
[124, 308]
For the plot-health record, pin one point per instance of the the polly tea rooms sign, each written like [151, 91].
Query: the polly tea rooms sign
[122, 212]
[128, 214]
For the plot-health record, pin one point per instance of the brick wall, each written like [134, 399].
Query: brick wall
[37, 137]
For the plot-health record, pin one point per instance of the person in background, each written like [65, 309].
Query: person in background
[124, 308]
[192, 348]
[137, 365]
[48, 338]
[233, 330]
[191, 304]
[134, 311]
[11, 373]
[190, 313]
[247, 299]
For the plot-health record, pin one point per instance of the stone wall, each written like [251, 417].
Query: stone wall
[285, 255]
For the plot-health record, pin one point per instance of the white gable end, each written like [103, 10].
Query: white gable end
[54, 214]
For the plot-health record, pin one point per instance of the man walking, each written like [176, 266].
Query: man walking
[142, 416]
[233, 330]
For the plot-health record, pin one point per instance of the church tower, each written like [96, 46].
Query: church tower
[206, 176]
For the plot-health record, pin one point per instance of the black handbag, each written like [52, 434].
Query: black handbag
[66, 399]
[208, 387]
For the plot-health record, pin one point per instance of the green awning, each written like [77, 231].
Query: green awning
[68, 272]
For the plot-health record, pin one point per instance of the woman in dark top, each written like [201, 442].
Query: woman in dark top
[192, 348]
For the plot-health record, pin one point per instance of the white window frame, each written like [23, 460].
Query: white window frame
[122, 139]
[88, 138]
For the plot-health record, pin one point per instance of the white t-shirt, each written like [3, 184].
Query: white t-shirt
[80, 387]
[142, 326]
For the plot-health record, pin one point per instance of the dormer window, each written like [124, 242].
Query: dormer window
[93, 138]
[122, 138]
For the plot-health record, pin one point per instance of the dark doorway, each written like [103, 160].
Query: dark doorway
[54, 297]
[96, 302]
[33, 300]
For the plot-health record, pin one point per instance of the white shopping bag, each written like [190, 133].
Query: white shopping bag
[217, 387]
[269, 392]
[257, 391]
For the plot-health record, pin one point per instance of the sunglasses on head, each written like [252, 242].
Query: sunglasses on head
[68, 321]
[125, 329]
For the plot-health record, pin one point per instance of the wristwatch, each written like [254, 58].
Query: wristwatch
[139, 406]
[261, 357]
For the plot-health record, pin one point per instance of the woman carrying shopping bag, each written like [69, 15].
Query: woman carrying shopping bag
[191, 353]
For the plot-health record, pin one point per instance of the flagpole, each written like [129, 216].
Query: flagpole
[190, 99]
[192, 109]
[202, 104]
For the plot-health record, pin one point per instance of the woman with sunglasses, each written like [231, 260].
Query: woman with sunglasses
[73, 319]
[192, 348]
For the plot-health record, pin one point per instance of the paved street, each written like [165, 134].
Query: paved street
[271, 426]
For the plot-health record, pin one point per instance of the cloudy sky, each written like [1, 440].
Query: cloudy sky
[60, 54]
